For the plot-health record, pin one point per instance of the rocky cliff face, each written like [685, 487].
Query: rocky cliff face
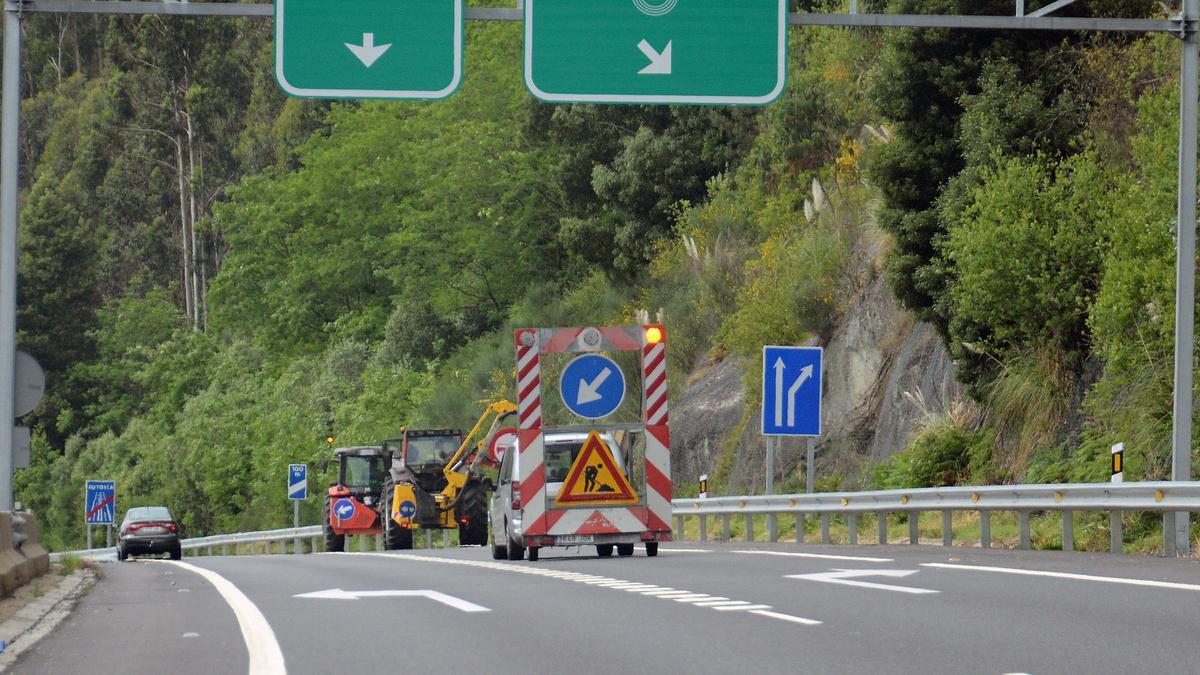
[883, 372]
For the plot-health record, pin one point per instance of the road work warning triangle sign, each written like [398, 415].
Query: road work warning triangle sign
[595, 479]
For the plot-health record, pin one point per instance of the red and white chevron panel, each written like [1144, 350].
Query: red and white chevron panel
[658, 478]
[654, 377]
[529, 380]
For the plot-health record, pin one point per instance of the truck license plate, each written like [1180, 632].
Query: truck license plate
[575, 539]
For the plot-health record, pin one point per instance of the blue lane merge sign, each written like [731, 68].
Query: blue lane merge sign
[592, 386]
[791, 386]
[100, 502]
[298, 481]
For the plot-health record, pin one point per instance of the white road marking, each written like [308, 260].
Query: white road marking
[819, 556]
[848, 578]
[605, 582]
[786, 617]
[436, 596]
[1173, 585]
[684, 550]
[266, 658]
[723, 602]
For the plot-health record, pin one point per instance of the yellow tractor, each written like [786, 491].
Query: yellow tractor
[436, 481]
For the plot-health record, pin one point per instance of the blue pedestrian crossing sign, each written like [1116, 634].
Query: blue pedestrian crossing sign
[791, 387]
[100, 502]
[592, 386]
[298, 481]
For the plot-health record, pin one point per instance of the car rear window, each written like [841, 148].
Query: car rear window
[149, 513]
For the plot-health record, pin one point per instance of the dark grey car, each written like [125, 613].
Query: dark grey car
[149, 529]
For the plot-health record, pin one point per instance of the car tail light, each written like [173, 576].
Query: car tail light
[463, 521]
[516, 495]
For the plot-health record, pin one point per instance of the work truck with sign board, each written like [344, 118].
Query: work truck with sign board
[590, 464]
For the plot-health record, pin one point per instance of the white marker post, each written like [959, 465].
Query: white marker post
[1116, 535]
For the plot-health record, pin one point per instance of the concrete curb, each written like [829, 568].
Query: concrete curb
[35, 620]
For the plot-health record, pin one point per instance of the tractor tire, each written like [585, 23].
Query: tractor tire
[651, 549]
[604, 550]
[333, 542]
[624, 550]
[473, 507]
[395, 538]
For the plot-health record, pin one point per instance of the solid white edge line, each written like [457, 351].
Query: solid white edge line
[684, 550]
[786, 617]
[819, 556]
[266, 658]
[1067, 575]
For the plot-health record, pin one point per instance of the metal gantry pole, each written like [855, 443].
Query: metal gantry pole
[10, 109]
[1185, 266]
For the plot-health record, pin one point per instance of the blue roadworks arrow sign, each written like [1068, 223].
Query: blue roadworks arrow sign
[791, 386]
[592, 386]
[100, 502]
[297, 481]
[343, 509]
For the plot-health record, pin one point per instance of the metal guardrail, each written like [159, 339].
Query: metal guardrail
[1164, 497]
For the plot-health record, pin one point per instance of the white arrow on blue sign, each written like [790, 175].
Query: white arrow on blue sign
[791, 402]
[298, 481]
[592, 386]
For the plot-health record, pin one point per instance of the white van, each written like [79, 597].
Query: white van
[561, 449]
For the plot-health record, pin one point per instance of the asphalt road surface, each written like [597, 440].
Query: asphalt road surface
[695, 608]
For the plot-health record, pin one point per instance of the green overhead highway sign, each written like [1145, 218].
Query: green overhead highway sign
[711, 52]
[369, 48]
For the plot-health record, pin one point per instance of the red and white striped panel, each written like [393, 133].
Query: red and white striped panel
[597, 521]
[658, 478]
[529, 381]
[533, 481]
[654, 379]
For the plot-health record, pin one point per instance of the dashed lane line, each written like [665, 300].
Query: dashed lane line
[649, 590]
[266, 658]
[818, 556]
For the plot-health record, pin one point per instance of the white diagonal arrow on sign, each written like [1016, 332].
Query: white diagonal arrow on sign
[448, 600]
[805, 373]
[367, 52]
[660, 63]
[587, 390]
[849, 578]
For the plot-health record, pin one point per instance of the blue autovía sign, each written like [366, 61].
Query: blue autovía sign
[343, 509]
[592, 386]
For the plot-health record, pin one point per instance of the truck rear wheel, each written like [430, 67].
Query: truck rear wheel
[624, 550]
[604, 550]
[333, 541]
[395, 538]
[473, 508]
[651, 549]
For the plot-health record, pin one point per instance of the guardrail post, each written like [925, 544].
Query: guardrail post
[210, 550]
[1116, 537]
[703, 527]
[914, 528]
[725, 527]
[825, 528]
[749, 527]
[1023, 526]
[297, 546]
[1169, 549]
[947, 528]
[1068, 531]
[678, 528]
[881, 523]
[852, 526]
[313, 544]
[445, 540]
[225, 549]
[772, 528]
[362, 543]
[428, 538]
[985, 529]
[799, 528]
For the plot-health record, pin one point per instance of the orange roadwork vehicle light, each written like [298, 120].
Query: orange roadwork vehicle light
[654, 335]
